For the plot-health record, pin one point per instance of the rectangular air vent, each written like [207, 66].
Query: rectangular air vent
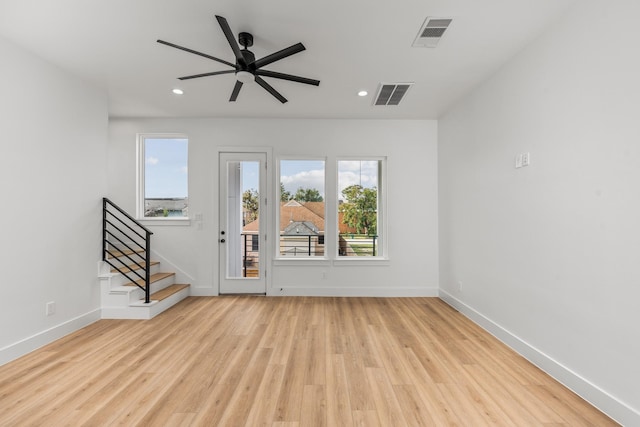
[391, 93]
[431, 32]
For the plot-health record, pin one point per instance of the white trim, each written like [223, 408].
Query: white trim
[371, 261]
[601, 399]
[381, 223]
[140, 173]
[161, 222]
[302, 261]
[204, 292]
[269, 194]
[29, 344]
[181, 275]
[278, 196]
[394, 292]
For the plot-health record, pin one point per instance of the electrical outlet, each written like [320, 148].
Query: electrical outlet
[526, 159]
[459, 285]
[51, 308]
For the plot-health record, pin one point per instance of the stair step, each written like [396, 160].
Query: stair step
[116, 253]
[133, 267]
[167, 292]
[154, 278]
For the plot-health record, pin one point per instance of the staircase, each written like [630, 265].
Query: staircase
[132, 286]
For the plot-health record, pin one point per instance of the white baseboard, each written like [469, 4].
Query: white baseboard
[333, 292]
[204, 292]
[27, 345]
[353, 292]
[614, 408]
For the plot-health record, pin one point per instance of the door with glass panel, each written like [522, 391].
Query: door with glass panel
[242, 223]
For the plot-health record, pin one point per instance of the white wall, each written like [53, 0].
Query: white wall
[549, 255]
[52, 178]
[410, 148]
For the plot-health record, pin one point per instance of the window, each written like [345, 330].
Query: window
[302, 208]
[162, 177]
[359, 208]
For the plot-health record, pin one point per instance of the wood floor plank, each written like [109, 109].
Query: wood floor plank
[241, 402]
[263, 410]
[290, 400]
[314, 406]
[287, 362]
[387, 406]
[338, 403]
[357, 383]
[416, 412]
[366, 419]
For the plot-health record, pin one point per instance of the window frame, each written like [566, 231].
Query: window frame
[140, 180]
[279, 259]
[382, 252]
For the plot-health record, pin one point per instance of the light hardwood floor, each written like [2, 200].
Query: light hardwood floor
[259, 361]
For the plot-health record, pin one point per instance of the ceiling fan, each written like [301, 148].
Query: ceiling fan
[247, 68]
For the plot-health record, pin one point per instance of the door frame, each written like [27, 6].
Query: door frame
[266, 214]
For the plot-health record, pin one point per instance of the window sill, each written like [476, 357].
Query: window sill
[184, 222]
[361, 261]
[338, 262]
[302, 261]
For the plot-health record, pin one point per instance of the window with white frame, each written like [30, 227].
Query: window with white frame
[163, 176]
[359, 207]
[302, 208]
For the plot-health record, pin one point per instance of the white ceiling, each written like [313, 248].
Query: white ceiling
[351, 45]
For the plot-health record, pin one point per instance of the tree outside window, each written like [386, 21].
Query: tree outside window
[359, 207]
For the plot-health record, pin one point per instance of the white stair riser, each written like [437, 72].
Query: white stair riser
[138, 294]
[169, 302]
[144, 311]
[110, 297]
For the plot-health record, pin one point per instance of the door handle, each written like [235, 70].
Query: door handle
[222, 240]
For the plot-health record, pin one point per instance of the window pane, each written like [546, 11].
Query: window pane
[302, 208]
[246, 257]
[165, 177]
[358, 201]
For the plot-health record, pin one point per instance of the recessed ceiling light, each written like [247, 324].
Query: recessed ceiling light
[363, 93]
[178, 91]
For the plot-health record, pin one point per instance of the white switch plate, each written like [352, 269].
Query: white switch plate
[518, 161]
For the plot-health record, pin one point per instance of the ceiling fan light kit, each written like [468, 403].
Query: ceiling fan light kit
[245, 77]
[247, 69]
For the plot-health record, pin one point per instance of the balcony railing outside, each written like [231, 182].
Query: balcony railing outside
[305, 246]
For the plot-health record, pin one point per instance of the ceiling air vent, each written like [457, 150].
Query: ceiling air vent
[431, 32]
[391, 93]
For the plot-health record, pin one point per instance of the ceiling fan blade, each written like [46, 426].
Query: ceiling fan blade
[231, 39]
[269, 89]
[213, 73]
[281, 54]
[236, 91]
[195, 52]
[288, 77]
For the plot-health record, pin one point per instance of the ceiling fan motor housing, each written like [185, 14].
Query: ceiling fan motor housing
[245, 39]
[249, 58]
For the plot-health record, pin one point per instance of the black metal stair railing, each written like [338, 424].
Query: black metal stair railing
[124, 236]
